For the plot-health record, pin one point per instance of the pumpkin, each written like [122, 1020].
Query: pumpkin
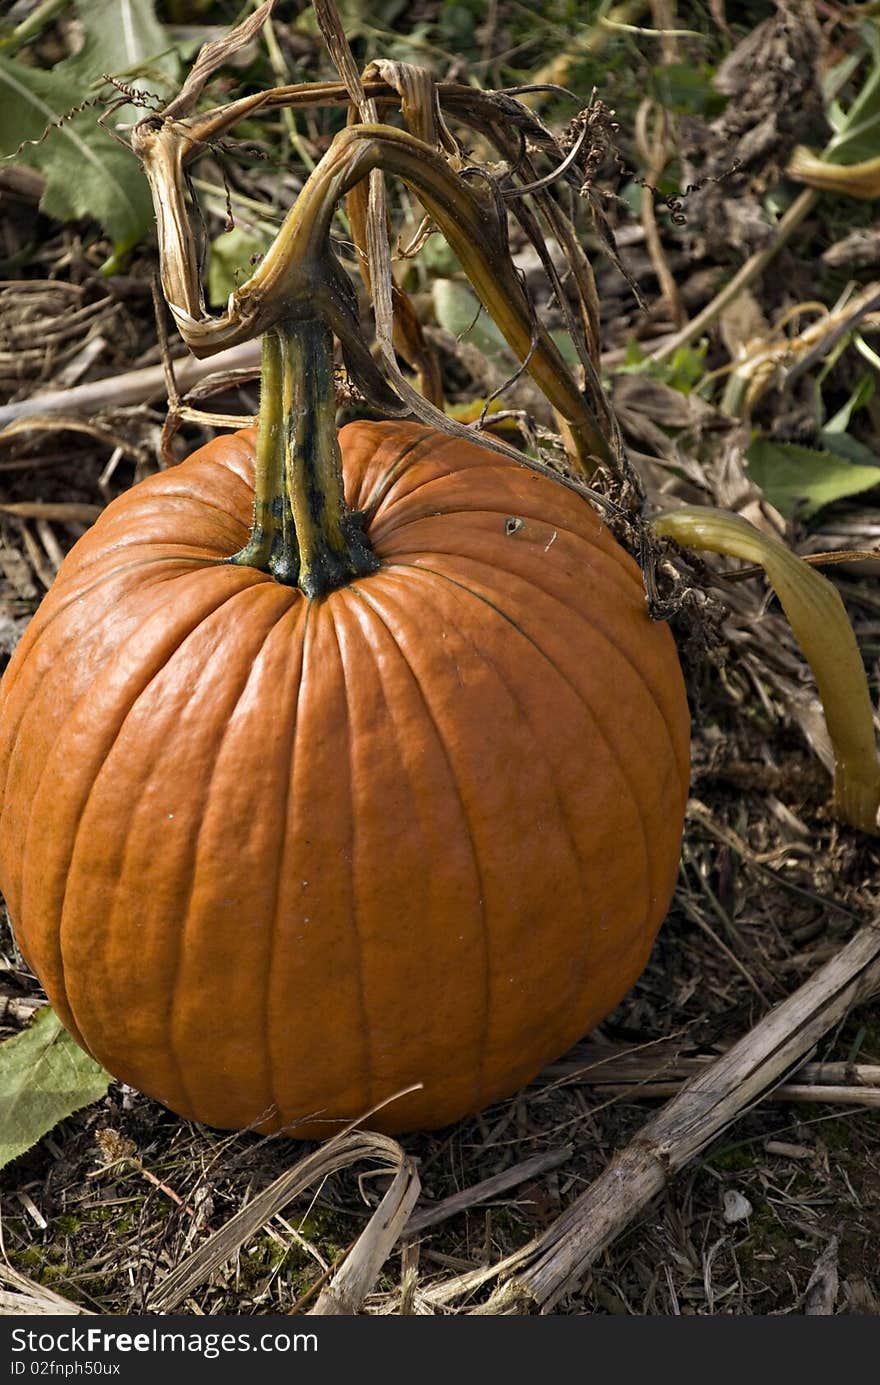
[278, 858]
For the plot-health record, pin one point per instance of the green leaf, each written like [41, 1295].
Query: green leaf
[867, 104]
[848, 447]
[858, 130]
[635, 358]
[686, 88]
[801, 480]
[232, 262]
[438, 258]
[861, 395]
[866, 352]
[44, 1078]
[121, 36]
[683, 372]
[87, 173]
[458, 310]
[686, 368]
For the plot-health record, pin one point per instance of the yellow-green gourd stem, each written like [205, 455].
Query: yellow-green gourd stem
[822, 628]
[303, 533]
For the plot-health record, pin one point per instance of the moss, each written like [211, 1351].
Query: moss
[31, 1258]
[732, 1158]
[67, 1225]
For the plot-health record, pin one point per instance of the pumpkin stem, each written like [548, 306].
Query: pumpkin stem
[303, 532]
[298, 265]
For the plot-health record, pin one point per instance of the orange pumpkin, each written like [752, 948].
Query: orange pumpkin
[277, 858]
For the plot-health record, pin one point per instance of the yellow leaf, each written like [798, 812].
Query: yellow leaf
[856, 180]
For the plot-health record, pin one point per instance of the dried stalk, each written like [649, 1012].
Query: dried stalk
[19, 1009]
[745, 275]
[654, 151]
[831, 1095]
[421, 112]
[544, 1271]
[62, 511]
[132, 387]
[299, 267]
[351, 1283]
[338, 1153]
[505, 122]
[784, 360]
[639, 1070]
[30, 1298]
[488, 1187]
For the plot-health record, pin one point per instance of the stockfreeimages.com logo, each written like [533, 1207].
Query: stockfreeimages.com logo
[93, 1341]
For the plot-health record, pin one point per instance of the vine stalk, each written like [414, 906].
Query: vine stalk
[300, 263]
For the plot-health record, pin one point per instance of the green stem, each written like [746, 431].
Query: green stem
[303, 532]
[31, 26]
[272, 546]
